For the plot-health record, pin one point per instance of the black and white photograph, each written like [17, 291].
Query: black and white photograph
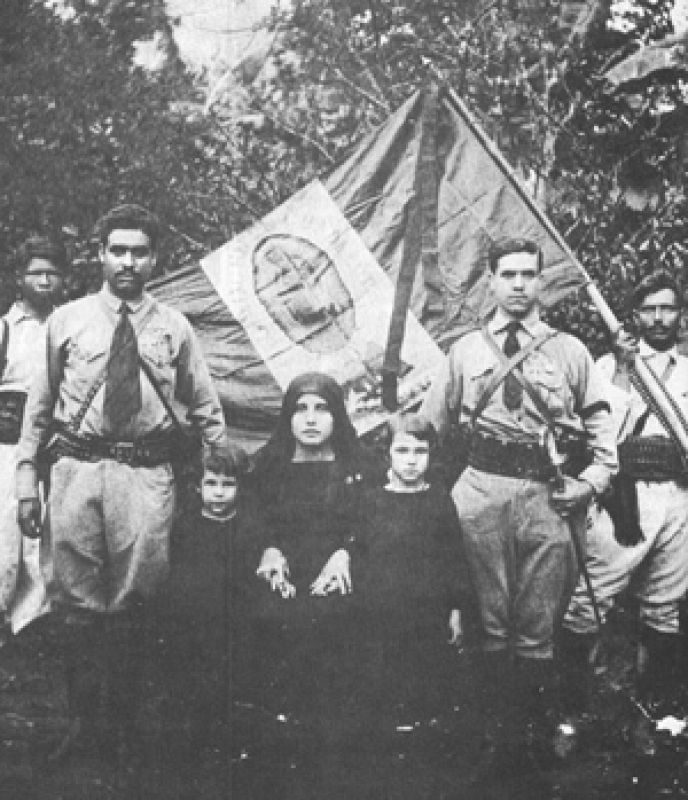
[343, 399]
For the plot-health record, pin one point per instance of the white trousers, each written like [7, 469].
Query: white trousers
[656, 568]
[22, 584]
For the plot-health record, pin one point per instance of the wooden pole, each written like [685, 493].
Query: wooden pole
[654, 388]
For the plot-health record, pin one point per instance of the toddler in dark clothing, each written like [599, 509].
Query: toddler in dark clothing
[202, 610]
[410, 579]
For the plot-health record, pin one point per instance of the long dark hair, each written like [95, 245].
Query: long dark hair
[279, 449]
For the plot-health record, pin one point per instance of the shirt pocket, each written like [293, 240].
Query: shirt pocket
[158, 348]
[550, 383]
[476, 385]
[84, 363]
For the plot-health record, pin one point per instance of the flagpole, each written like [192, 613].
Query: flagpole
[652, 386]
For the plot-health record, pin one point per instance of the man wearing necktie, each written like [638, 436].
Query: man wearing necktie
[517, 530]
[656, 566]
[120, 368]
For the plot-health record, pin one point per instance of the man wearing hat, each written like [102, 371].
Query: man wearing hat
[40, 264]
[122, 376]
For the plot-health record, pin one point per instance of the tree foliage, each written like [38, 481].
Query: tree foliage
[83, 127]
[612, 163]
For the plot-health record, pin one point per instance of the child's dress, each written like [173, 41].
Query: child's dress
[408, 575]
[201, 617]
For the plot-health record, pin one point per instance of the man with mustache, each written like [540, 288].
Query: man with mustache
[119, 374]
[655, 561]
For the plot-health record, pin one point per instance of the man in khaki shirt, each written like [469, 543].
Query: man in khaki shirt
[517, 530]
[120, 368]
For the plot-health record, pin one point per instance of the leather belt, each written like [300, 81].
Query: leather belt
[145, 452]
[651, 458]
[511, 459]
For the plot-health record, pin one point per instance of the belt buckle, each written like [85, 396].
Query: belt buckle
[123, 452]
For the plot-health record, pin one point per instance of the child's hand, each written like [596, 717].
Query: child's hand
[275, 570]
[335, 576]
[455, 628]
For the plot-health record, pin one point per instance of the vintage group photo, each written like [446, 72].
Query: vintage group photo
[343, 400]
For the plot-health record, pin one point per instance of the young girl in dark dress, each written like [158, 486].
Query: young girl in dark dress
[308, 481]
[202, 610]
[411, 579]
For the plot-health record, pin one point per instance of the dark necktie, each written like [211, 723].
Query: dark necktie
[513, 391]
[123, 382]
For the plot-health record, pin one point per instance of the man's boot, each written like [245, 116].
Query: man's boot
[573, 655]
[658, 661]
[498, 749]
[125, 642]
[657, 683]
[538, 690]
[84, 677]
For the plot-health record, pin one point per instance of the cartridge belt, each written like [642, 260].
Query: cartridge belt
[145, 452]
[512, 459]
[651, 458]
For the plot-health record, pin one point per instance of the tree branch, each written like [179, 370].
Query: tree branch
[379, 103]
[303, 136]
[185, 236]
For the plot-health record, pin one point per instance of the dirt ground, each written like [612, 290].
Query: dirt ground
[274, 757]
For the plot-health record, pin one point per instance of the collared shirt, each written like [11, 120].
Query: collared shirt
[561, 371]
[78, 345]
[26, 348]
[628, 406]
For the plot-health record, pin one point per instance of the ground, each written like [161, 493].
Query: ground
[273, 756]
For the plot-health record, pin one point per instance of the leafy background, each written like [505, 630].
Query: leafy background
[84, 124]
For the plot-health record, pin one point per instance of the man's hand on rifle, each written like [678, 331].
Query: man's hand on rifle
[29, 517]
[572, 495]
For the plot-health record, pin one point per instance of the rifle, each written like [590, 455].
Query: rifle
[549, 446]
[643, 378]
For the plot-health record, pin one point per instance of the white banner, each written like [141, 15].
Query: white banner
[311, 297]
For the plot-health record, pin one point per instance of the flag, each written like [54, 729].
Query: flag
[427, 197]
[476, 203]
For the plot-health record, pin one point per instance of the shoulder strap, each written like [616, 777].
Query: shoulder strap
[508, 365]
[148, 372]
[75, 422]
[4, 345]
[643, 418]
[538, 402]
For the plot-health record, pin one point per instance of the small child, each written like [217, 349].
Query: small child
[411, 582]
[203, 607]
